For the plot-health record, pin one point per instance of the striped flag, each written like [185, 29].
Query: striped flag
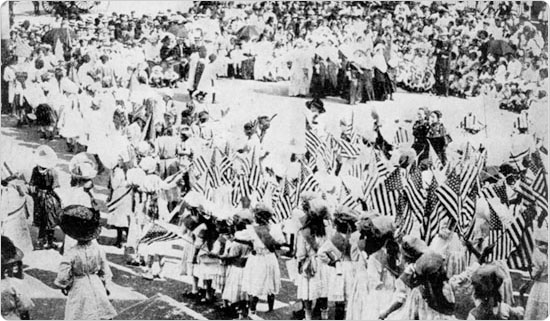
[226, 168]
[385, 197]
[254, 174]
[470, 174]
[467, 213]
[213, 174]
[406, 222]
[401, 137]
[503, 245]
[306, 182]
[200, 164]
[345, 148]
[415, 194]
[521, 232]
[432, 213]
[540, 190]
[449, 196]
[283, 205]
[160, 233]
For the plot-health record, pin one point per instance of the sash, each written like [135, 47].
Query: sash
[266, 238]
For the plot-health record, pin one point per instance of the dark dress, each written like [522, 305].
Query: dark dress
[420, 132]
[318, 79]
[47, 205]
[436, 136]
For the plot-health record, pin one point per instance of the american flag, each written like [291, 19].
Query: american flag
[540, 190]
[498, 236]
[377, 172]
[415, 194]
[449, 195]
[346, 149]
[159, 233]
[433, 211]
[470, 174]
[240, 189]
[495, 190]
[202, 187]
[406, 222]
[385, 197]
[521, 232]
[467, 213]
[283, 204]
[214, 175]
[254, 174]
[226, 168]
[306, 182]
[402, 136]
[200, 164]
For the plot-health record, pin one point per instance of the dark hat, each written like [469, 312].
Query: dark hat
[10, 253]
[344, 220]
[487, 280]
[438, 113]
[412, 247]
[317, 103]
[430, 264]
[80, 223]
[263, 213]
[203, 115]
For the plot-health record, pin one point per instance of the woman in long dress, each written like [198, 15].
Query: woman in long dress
[47, 205]
[84, 272]
[300, 72]
[121, 194]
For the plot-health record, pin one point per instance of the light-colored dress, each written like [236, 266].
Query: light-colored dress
[537, 304]
[262, 275]
[453, 251]
[13, 301]
[312, 282]
[84, 271]
[373, 286]
[121, 198]
[233, 289]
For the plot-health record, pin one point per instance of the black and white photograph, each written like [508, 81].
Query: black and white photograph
[274, 160]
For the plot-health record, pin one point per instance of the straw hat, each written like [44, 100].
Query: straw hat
[148, 164]
[80, 223]
[45, 156]
[83, 165]
[412, 247]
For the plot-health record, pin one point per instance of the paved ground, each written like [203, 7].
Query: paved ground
[135, 297]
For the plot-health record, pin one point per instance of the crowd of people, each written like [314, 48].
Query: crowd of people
[172, 167]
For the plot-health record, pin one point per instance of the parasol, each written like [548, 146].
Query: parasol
[248, 33]
[498, 48]
[63, 34]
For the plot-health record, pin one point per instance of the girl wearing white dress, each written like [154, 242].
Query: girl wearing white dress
[262, 275]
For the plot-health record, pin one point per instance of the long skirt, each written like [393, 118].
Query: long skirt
[88, 300]
[120, 217]
[247, 70]
[382, 85]
[262, 275]
[537, 304]
[341, 281]
[233, 289]
[47, 208]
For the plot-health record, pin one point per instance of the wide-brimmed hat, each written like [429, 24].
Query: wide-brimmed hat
[80, 223]
[487, 280]
[317, 103]
[148, 164]
[412, 247]
[83, 165]
[45, 156]
[10, 253]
